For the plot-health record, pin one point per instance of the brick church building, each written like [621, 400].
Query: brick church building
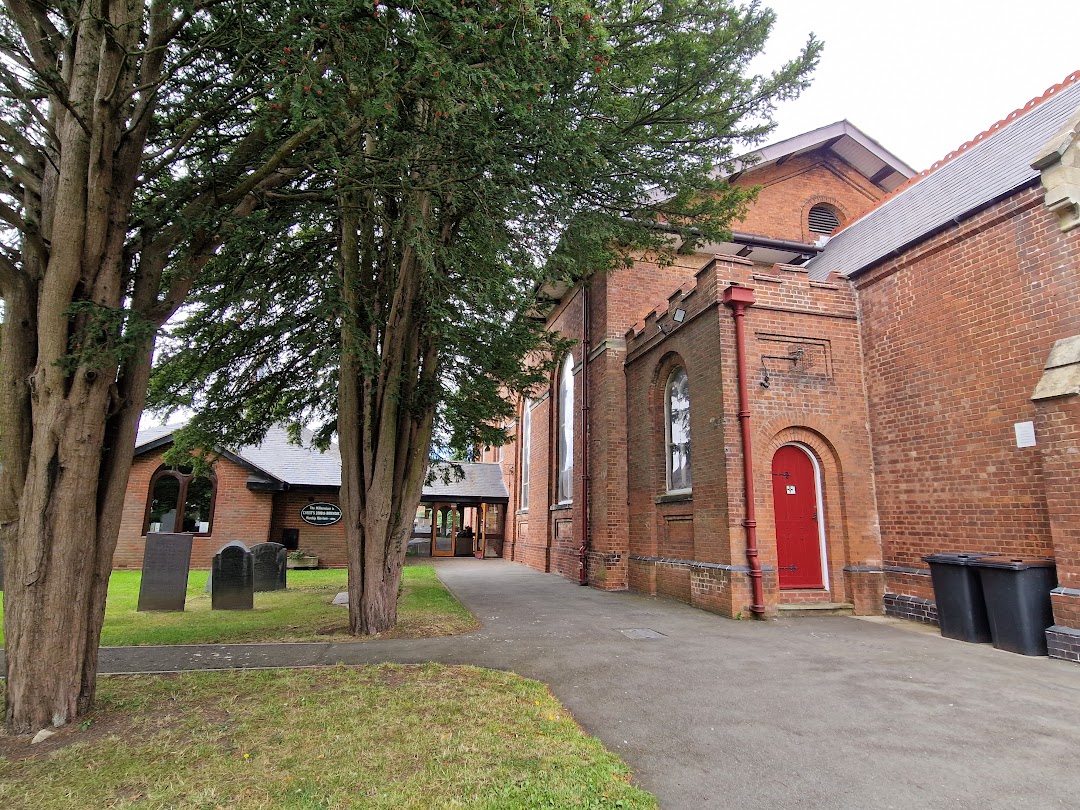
[878, 366]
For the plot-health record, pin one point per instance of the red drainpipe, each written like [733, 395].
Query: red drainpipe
[583, 565]
[738, 299]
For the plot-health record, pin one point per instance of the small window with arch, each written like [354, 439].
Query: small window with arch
[179, 501]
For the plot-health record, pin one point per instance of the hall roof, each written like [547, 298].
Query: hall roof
[276, 464]
[843, 140]
[990, 167]
[275, 460]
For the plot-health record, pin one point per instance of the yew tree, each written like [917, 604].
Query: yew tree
[133, 136]
[472, 150]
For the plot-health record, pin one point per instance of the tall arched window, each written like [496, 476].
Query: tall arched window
[677, 440]
[525, 443]
[180, 502]
[566, 431]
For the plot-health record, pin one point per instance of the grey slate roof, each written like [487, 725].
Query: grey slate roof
[482, 482]
[305, 466]
[275, 455]
[988, 170]
[294, 464]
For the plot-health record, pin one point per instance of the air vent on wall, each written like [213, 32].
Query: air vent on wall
[823, 220]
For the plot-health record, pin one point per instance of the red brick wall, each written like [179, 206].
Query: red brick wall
[955, 334]
[548, 539]
[818, 403]
[326, 542]
[1057, 428]
[791, 189]
[239, 514]
[508, 457]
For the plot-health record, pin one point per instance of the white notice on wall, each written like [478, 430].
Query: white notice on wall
[1025, 434]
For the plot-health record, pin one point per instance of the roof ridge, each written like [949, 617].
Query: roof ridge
[994, 128]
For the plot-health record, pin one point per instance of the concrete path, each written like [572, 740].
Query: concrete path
[828, 712]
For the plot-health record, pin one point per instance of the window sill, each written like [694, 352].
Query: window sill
[561, 507]
[193, 534]
[674, 497]
[522, 512]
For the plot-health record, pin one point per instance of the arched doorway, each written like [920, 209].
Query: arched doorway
[797, 505]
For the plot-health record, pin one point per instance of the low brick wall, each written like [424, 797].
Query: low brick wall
[912, 608]
[1063, 642]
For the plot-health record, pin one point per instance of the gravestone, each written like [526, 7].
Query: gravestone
[210, 576]
[166, 561]
[234, 579]
[1, 569]
[270, 566]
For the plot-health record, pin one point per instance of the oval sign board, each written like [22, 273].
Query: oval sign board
[321, 514]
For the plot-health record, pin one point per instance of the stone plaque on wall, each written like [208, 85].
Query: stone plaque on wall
[166, 561]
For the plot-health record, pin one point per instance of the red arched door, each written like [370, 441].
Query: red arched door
[795, 502]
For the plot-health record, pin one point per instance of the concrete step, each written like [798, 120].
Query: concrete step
[816, 609]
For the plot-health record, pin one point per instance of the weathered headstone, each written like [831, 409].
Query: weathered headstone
[233, 572]
[166, 561]
[270, 566]
[210, 576]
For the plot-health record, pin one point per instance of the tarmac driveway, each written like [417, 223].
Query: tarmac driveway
[830, 712]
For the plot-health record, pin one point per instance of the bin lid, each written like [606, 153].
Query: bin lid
[1014, 563]
[958, 558]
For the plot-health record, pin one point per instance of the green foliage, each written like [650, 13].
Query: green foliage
[104, 337]
[471, 153]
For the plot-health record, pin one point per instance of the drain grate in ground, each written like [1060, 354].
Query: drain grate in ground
[641, 632]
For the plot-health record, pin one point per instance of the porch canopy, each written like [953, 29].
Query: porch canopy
[466, 483]
[462, 512]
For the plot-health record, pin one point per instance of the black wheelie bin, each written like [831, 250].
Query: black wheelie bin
[1017, 593]
[958, 594]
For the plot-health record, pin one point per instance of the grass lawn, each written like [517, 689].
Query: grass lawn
[389, 736]
[301, 613]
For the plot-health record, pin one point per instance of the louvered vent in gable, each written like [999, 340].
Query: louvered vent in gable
[823, 220]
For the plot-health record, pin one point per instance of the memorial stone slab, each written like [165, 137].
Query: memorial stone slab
[210, 576]
[166, 561]
[234, 579]
[270, 566]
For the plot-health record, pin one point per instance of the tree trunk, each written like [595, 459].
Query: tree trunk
[384, 428]
[77, 340]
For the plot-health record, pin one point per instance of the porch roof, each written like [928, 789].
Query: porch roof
[477, 482]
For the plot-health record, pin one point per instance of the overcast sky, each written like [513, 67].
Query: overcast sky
[922, 77]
